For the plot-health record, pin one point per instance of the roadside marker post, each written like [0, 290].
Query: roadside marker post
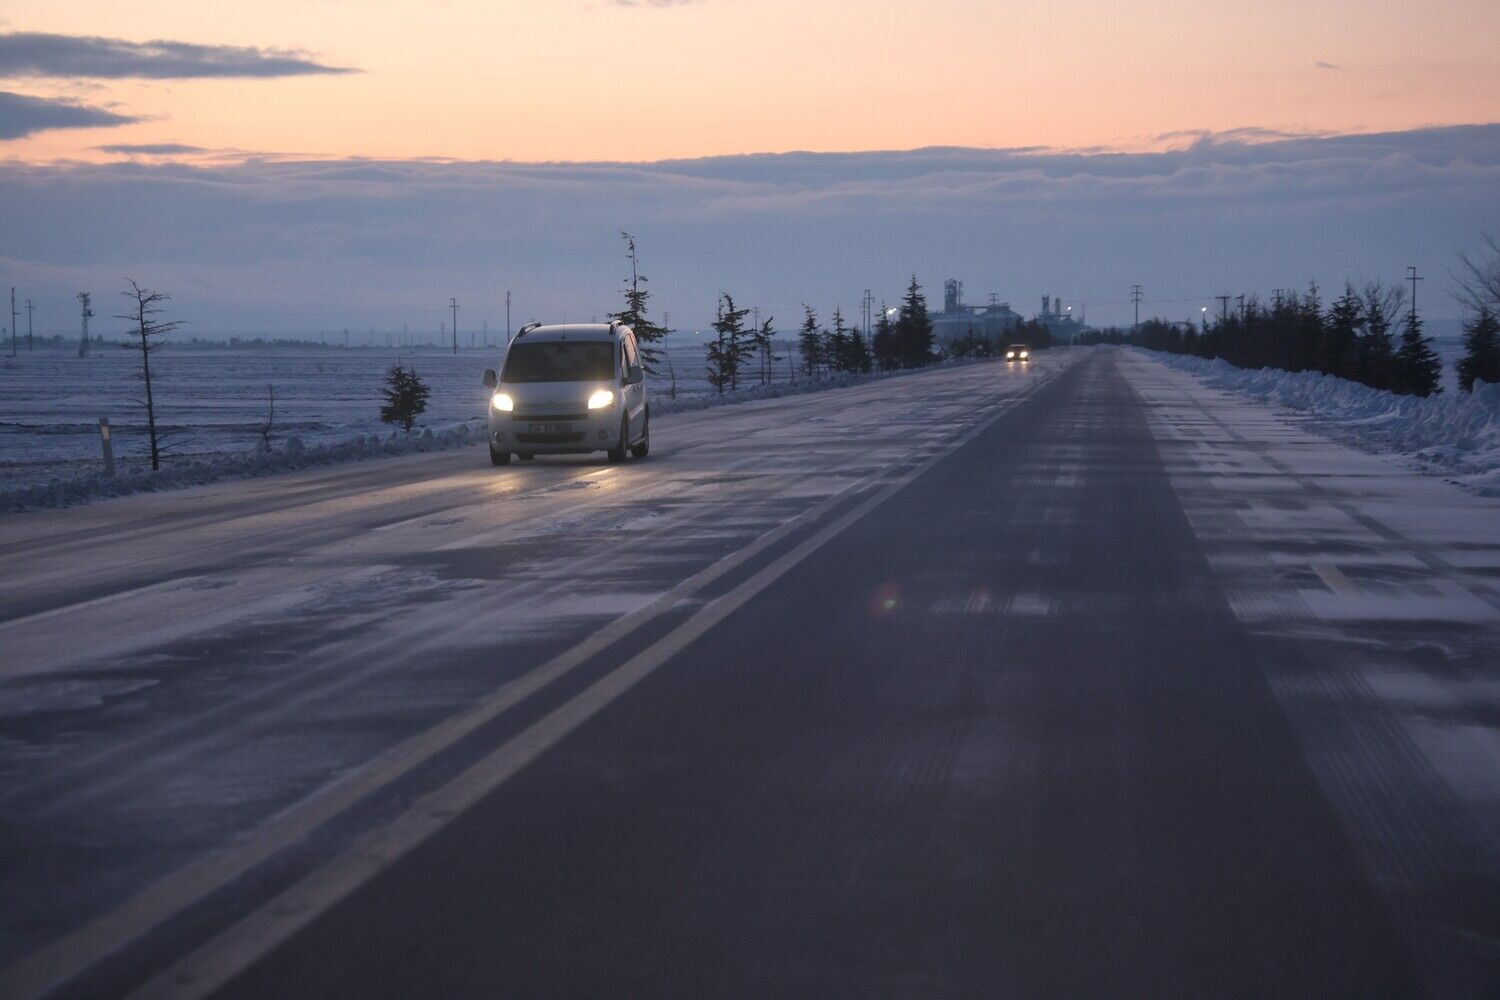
[108, 446]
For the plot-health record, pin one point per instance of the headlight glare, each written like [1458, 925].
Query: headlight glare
[502, 402]
[600, 399]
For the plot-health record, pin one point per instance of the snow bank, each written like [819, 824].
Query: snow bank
[200, 470]
[292, 454]
[1456, 433]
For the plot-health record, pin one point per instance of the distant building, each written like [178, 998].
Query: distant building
[1059, 322]
[958, 320]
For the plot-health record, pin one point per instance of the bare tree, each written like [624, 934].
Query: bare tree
[269, 424]
[1479, 276]
[145, 305]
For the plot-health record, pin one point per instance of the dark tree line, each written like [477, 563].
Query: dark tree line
[1033, 333]
[840, 349]
[1353, 337]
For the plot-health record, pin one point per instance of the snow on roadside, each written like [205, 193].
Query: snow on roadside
[293, 455]
[1454, 433]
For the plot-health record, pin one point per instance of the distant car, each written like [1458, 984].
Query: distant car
[1018, 352]
[569, 390]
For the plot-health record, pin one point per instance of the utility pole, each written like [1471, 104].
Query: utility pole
[485, 326]
[1135, 297]
[1242, 309]
[83, 344]
[507, 319]
[1223, 308]
[1411, 275]
[1276, 294]
[13, 321]
[28, 324]
[867, 313]
[453, 304]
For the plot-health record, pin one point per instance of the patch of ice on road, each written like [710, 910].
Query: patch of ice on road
[21, 700]
[1456, 433]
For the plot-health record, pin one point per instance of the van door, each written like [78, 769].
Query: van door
[634, 396]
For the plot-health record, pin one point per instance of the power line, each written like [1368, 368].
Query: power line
[1411, 275]
[453, 304]
[1135, 297]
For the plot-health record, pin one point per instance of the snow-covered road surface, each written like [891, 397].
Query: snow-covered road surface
[1078, 679]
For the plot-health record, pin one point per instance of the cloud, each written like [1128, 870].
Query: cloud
[150, 148]
[1320, 64]
[37, 54]
[21, 115]
[270, 244]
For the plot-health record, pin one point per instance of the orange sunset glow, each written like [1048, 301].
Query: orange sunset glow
[591, 80]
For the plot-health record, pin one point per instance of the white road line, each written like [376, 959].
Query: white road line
[239, 946]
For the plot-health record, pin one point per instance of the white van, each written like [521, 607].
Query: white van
[567, 390]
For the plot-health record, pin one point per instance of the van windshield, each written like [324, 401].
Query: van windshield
[560, 361]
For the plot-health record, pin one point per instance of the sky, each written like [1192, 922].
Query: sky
[301, 164]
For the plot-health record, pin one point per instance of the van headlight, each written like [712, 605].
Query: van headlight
[502, 402]
[600, 399]
[1010, 355]
[1025, 355]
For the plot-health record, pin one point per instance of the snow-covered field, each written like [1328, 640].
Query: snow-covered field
[212, 402]
[1454, 433]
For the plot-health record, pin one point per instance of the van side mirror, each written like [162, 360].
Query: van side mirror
[490, 381]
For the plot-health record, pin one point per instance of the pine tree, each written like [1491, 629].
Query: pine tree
[405, 397]
[914, 336]
[1416, 367]
[1481, 360]
[760, 342]
[810, 342]
[1338, 352]
[859, 352]
[730, 347]
[1377, 350]
[836, 343]
[883, 343]
[637, 298]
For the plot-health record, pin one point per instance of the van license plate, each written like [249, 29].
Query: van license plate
[550, 428]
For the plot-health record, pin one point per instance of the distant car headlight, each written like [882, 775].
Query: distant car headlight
[502, 402]
[1010, 355]
[600, 399]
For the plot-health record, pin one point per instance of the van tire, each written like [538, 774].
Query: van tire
[643, 449]
[499, 457]
[617, 453]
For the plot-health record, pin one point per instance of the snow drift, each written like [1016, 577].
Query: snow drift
[1455, 433]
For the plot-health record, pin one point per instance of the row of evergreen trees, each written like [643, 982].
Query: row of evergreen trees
[1366, 335]
[742, 352]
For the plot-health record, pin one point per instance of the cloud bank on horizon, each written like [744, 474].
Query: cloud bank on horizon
[80, 57]
[272, 245]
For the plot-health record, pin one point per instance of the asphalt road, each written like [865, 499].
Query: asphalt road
[985, 717]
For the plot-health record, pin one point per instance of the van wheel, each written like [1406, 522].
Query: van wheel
[499, 457]
[617, 453]
[526, 456]
[644, 448]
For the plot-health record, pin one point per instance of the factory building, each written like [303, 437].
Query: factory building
[1059, 321]
[957, 320]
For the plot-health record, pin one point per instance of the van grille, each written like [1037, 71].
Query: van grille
[569, 438]
[549, 418]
